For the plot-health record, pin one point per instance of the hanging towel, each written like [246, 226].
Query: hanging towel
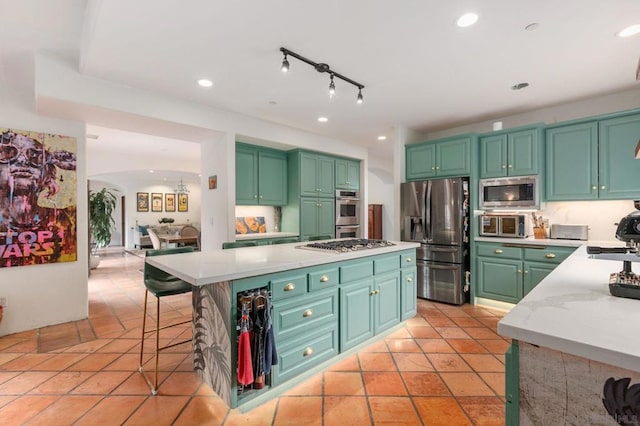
[270, 352]
[245, 367]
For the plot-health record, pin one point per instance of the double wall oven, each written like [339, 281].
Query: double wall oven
[348, 214]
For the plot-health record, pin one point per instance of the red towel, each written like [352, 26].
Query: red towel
[245, 366]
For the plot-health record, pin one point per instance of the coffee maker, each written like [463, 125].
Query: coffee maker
[624, 283]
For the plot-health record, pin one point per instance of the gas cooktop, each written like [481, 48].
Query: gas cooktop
[345, 246]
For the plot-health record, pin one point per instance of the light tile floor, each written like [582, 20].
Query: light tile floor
[445, 367]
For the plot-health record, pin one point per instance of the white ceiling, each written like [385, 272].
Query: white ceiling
[419, 69]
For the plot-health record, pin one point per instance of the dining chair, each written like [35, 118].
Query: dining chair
[160, 284]
[236, 244]
[155, 240]
[191, 231]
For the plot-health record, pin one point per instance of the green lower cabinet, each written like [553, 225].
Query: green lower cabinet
[356, 313]
[533, 274]
[500, 279]
[408, 293]
[512, 385]
[386, 312]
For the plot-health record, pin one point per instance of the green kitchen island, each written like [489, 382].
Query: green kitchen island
[324, 304]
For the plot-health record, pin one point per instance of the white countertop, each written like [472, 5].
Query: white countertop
[265, 235]
[206, 267]
[533, 241]
[572, 311]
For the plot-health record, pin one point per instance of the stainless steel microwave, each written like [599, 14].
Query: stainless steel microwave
[504, 225]
[517, 192]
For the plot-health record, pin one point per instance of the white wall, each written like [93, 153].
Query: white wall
[40, 295]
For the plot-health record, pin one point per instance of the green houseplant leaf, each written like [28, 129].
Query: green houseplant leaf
[101, 223]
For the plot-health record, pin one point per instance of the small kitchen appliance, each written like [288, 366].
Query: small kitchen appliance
[504, 225]
[624, 283]
[569, 232]
[510, 193]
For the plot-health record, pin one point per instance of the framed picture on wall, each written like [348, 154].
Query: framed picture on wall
[156, 202]
[142, 201]
[183, 202]
[169, 202]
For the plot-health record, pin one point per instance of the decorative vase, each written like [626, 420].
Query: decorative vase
[94, 261]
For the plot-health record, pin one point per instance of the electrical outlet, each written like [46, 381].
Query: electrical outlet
[3, 302]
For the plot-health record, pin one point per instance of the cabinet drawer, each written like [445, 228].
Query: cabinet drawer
[325, 278]
[548, 254]
[407, 260]
[498, 250]
[305, 353]
[289, 286]
[294, 318]
[386, 264]
[357, 271]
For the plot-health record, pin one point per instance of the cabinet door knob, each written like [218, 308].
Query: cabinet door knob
[377, 291]
[307, 313]
[261, 196]
[324, 279]
[519, 271]
[510, 166]
[307, 352]
[498, 251]
[437, 167]
[593, 188]
[409, 259]
[603, 187]
[409, 279]
[255, 196]
[433, 168]
[372, 292]
[290, 287]
[550, 255]
[504, 167]
[526, 272]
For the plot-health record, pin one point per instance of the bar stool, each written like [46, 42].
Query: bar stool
[160, 284]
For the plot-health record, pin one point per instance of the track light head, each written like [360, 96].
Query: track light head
[285, 64]
[332, 87]
[359, 100]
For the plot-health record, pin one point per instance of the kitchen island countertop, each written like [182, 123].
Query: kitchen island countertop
[243, 237]
[211, 266]
[572, 311]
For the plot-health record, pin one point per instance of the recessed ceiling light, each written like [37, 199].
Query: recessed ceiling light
[203, 82]
[323, 119]
[629, 31]
[519, 86]
[467, 20]
[382, 138]
[151, 171]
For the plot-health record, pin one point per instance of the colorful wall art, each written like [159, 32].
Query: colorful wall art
[38, 198]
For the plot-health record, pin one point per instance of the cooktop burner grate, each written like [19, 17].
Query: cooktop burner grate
[343, 246]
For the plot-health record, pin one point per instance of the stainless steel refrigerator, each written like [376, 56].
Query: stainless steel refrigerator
[435, 213]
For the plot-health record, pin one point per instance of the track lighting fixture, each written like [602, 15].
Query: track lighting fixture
[322, 67]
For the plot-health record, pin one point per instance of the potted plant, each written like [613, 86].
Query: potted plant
[101, 206]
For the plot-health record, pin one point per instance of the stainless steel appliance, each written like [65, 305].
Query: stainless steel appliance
[504, 225]
[518, 192]
[624, 283]
[435, 213]
[348, 231]
[345, 246]
[347, 207]
[569, 232]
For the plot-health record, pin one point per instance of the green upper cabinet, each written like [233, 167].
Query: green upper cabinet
[572, 162]
[317, 217]
[619, 170]
[510, 154]
[440, 158]
[261, 176]
[593, 160]
[347, 174]
[316, 175]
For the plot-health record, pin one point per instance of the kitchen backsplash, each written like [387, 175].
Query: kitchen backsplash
[601, 216]
[267, 212]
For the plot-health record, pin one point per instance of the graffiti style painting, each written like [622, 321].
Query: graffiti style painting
[38, 198]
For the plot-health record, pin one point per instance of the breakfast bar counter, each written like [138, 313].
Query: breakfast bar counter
[319, 305]
[570, 337]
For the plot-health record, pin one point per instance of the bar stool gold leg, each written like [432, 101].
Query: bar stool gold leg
[144, 321]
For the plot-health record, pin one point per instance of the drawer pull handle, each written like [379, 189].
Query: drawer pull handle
[307, 352]
[307, 313]
[324, 279]
[290, 287]
[409, 279]
[550, 255]
[498, 251]
[409, 259]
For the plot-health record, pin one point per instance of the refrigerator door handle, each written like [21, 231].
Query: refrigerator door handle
[427, 212]
[451, 249]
